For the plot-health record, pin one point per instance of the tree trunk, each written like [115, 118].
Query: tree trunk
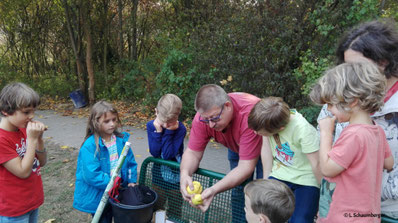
[79, 65]
[120, 15]
[89, 52]
[106, 33]
[134, 55]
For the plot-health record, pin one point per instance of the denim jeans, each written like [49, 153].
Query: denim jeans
[237, 195]
[307, 201]
[30, 217]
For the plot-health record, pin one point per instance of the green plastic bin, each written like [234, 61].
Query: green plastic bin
[219, 210]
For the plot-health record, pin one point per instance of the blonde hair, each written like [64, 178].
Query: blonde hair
[15, 96]
[169, 107]
[208, 96]
[269, 114]
[271, 198]
[347, 82]
[93, 125]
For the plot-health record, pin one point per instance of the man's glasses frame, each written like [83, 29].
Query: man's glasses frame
[215, 119]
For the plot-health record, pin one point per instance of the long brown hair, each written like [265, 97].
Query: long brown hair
[93, 126]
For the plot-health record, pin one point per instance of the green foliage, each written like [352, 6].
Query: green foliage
[311, 114]
[55, 84]
[138, 83]
[310, 71]
[265, 48]
[179, 76]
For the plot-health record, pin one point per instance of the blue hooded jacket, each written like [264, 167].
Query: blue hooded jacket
[93, 172]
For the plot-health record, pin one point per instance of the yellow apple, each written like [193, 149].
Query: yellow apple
[197, 199]
[197, 188]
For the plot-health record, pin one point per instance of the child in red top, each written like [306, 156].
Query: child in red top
[353, 166]
[22, 154]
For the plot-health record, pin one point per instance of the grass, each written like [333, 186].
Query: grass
[58, 177]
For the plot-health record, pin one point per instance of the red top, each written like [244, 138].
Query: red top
[18, 196]
[354, 194]
[237, 136]
[391, 92]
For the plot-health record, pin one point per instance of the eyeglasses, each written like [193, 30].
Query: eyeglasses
[215, 119]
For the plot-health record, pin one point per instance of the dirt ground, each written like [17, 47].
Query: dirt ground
[58, 177]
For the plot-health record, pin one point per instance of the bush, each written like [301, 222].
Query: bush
[180, 76]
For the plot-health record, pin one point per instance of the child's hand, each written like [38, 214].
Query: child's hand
[326, 125]
[35, 129]
[157, 125]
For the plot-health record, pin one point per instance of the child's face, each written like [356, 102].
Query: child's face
[251, 217]
[340, 115]
[108, 124]
[263, 132]
[21, 118]
[168, 123]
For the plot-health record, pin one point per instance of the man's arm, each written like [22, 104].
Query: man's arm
[189, 164]
[234, 178]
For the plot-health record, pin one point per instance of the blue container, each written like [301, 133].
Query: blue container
[78, 98]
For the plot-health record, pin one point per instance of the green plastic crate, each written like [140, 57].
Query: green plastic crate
[386, 219]
[219, 210]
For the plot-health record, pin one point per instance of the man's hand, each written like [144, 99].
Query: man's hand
[207, 197]
[184, 182]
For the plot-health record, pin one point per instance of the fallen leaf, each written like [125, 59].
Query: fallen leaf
[138, 156]
[147, 150]
[140, 137]
[71, 185]
[66, 161]
[50, 220]
[40, 116]
[64, 147]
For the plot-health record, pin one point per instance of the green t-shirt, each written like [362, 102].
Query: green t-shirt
[291, 163]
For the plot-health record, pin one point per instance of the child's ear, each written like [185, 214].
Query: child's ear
[264, 218]
[354, 103]
[4, 113]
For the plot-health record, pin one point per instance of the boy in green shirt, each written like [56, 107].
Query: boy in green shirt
[289, 153]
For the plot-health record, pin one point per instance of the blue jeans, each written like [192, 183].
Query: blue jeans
[307, 201]
[237, 195]
[30, 217]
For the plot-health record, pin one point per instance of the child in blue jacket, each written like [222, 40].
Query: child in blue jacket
[98, 158]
